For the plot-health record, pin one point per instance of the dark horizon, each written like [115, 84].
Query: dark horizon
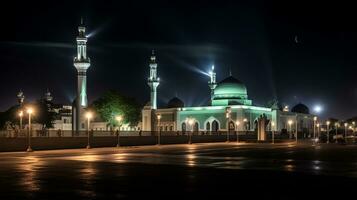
[295, 53]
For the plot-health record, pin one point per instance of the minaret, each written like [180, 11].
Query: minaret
[48, 97]
[212, 83]
[20, 97]
[82, 63]
[153, 81]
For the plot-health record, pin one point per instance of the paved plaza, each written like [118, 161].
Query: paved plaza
[181, 171]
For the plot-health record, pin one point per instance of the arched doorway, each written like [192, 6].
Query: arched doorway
[215, 126]
[195, 127]
[231, 127]
[255, 125]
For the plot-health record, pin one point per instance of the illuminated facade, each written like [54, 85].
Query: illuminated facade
[229, 104]
[82, 63]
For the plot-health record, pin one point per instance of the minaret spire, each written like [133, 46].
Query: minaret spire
[82, 63]
[212, 83]
[153, 80]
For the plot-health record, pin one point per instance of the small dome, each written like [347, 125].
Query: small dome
[230, 88]
[175, 103]
[300, 108]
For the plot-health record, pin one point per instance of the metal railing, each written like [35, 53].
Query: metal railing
[69, 133]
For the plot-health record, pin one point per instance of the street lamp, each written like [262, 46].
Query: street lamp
[346, 124]
[315, 118]
[190, 122]
[290, 122]
[237, 124]
[21, 114]
[119, 118]
[89, 115]
[158, 128]
[328, 131]
[228, 117]
[29, 111]
[272, 131]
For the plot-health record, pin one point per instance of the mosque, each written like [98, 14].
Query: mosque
[230, 109]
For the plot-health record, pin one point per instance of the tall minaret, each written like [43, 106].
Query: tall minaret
[153, 81]
[212, 83]
[82, 63]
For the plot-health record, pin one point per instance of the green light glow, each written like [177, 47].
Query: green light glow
[223, 107]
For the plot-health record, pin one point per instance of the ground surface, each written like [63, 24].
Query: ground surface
[198, 171]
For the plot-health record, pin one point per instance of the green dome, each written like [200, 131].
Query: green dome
[230, 88]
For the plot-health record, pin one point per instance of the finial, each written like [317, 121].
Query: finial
[176, 95]
[230, 71]
[212, 67]
[81, 20]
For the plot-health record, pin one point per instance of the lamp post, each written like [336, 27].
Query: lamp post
[353, 126]
[190, 122]
[29, 111]
[290, 122]
[21, 114]
[346, 124]
[315, 118]
[228, 117]
[336, 125]
[89, 115]
[353, 136]
[296, 129]
[158, 129]
[328, 131]
[272, 131]
[318, 130]
[119, 120]
[237, 124]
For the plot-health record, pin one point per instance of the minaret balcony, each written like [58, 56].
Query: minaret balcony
[84, 60]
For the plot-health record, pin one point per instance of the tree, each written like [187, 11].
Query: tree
[113, 104]
[9, 116]
[42, 114]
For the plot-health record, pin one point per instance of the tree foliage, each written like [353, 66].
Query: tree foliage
[113, 104]
[42, 114]
[9, 116]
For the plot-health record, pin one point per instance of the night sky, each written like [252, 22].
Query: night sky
[295, 52]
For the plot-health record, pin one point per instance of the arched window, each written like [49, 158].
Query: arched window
[195, 128]
[215, 126]
[208, 126]
[231, 126]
